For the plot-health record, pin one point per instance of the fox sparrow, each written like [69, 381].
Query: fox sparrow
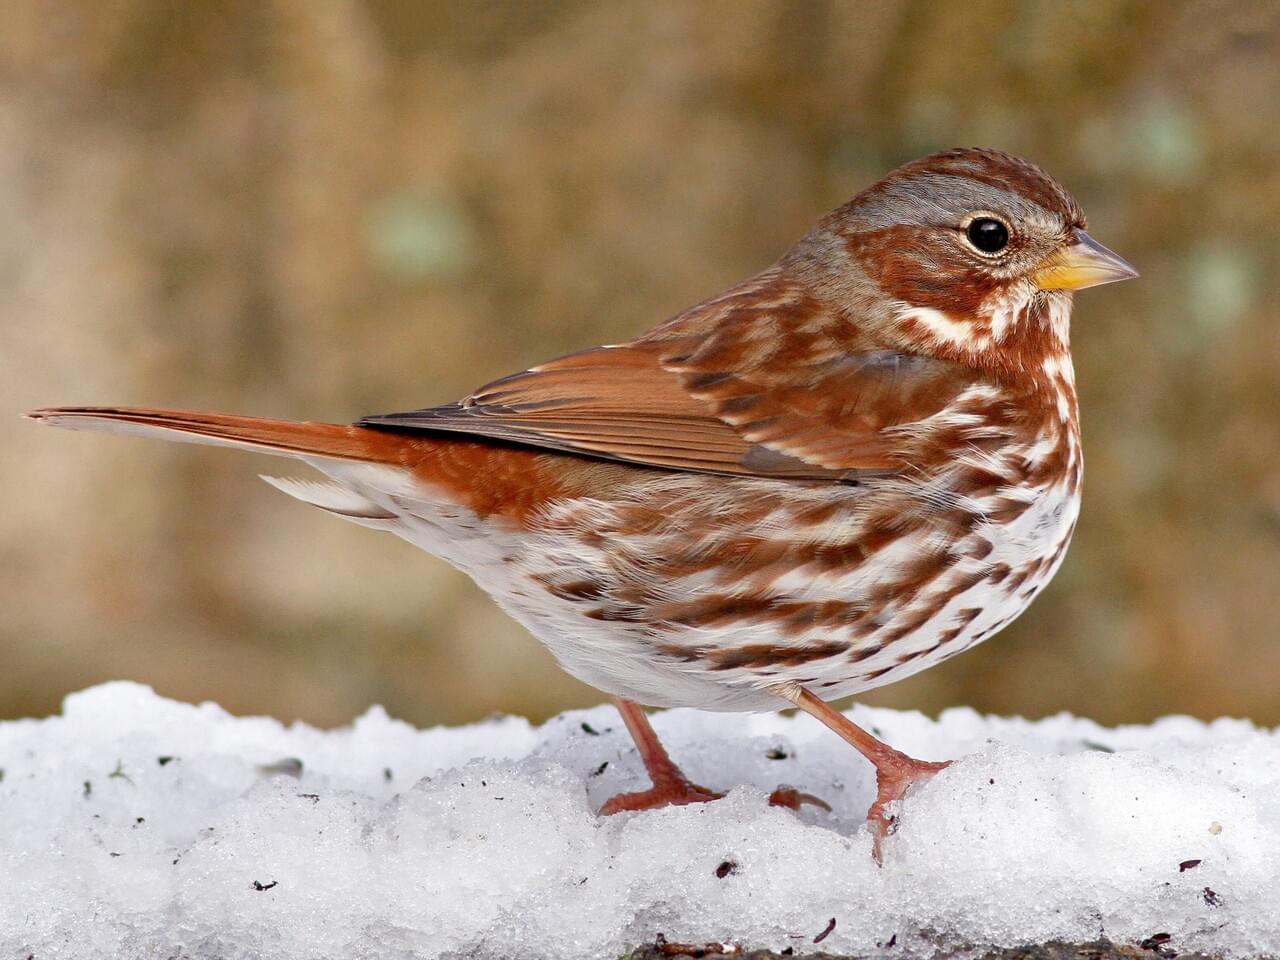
[850, 467]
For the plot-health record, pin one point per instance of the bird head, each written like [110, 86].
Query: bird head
[968, 254]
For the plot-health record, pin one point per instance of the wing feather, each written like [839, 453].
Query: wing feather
[765, 383]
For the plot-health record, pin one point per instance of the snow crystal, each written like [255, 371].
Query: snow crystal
[135, 826]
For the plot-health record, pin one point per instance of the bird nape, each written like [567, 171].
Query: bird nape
[850, 467]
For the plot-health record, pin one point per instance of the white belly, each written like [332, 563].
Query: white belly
[620, 656]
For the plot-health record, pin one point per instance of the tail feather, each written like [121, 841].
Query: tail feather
[282, 437]
[338, 498]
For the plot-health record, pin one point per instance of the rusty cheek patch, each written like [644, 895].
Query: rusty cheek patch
[922, 269]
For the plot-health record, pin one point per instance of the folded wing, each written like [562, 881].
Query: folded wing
[735, 387]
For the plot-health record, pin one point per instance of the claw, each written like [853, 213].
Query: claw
[893, 779]
[793, 799]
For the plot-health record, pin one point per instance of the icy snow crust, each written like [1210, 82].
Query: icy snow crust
[134, 826]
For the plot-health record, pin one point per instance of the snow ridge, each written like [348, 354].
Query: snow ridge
[135, 826]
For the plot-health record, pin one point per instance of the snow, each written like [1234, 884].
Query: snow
[135, 826]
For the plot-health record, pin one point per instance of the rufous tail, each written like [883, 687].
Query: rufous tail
[283, 437]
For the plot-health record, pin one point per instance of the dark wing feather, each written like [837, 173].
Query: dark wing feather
[754, 386]
[611, 402]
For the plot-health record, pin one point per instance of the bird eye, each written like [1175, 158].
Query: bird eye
[988, 234]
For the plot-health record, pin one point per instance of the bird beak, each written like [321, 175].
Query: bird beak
[1084, 262]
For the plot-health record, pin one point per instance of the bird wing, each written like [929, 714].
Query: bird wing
[747, 385]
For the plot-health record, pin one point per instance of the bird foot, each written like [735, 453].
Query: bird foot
[675, 792]
[678, 793]
[793, 799]
[894, 777]
[671, 788]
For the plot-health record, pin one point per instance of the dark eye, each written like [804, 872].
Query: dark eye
[988, 234]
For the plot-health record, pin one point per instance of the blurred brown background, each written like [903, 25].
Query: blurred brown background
[321, 210]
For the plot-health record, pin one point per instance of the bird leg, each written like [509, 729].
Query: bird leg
[895, 772]
[670, 786]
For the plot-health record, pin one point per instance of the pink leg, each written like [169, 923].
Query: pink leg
[895, 772]
[670, 786]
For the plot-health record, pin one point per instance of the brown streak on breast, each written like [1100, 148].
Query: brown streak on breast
[913, 577]
[574, 590]
[962, 585]
[843, 555]
[916, 654]
[1052, 466]
[1074, 478]
[748, 554]
[910, 624]
[865, 653]
[1008, 509]
[802, 615]
[948, 636]
[978, 483]
[678, 652]
[818, 513]
[980, 550]
[715, 609]
[617, 614]
[1016, 581]
[760, 655]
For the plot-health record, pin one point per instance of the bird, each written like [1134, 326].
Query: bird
[850, 467]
